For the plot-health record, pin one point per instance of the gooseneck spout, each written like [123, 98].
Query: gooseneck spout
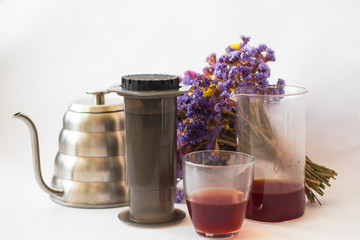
[36, 156]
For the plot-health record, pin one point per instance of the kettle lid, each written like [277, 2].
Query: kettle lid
[97, 104]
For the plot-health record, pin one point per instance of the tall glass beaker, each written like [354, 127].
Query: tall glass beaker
[270, 125]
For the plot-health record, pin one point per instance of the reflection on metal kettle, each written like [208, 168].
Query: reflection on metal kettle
[89, 167]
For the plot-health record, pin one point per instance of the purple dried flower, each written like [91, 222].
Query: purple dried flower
[245, 71]
[180, 126]
[248, 80]
[250, 91]
[228, 49]
[270, 55]
[224, 58]
[220, 70]
[179, 172]
[233, 71]
[262, 47]
[263, 67]
[217, 107]
[250, 51]
[245, 39]
[280, 82]
[179, 195]
[211, 59]
[234, 56]
[203, 113]
[189, 80]
[210, 145]
[275, 91]
[259, 77]
[208, 71]
[225, 95]
[227, 104]
[206, 82]
[213, 158]
[241, 84]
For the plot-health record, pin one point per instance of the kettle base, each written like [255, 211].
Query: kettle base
[94, 206]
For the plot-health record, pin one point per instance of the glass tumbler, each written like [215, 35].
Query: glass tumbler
[217, 186]
[270, 125]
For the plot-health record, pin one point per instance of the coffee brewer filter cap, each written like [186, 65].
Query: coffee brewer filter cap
[149, 82]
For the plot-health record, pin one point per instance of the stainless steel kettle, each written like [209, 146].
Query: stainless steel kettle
[89, 167]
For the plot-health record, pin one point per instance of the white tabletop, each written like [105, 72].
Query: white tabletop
[28, 213]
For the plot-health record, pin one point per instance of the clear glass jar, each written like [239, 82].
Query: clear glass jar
[270, 125]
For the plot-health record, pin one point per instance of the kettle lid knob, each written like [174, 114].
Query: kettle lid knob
[97, 104]
[99, 96]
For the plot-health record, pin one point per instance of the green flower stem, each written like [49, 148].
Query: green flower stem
[316, 177]
[200, 146]
[230, 143]
[228, 138]
[229, 112]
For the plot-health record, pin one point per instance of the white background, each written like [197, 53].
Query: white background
[51, 52]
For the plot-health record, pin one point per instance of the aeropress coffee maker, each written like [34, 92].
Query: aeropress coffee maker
[150, 147]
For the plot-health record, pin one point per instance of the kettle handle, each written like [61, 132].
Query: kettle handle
[36, 156]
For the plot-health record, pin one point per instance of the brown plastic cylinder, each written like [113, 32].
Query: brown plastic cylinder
[150, 134]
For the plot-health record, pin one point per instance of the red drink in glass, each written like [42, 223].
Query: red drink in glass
[217, 210]
[217, 186]
[273, 200]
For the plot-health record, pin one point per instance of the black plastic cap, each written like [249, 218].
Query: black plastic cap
[148, 82]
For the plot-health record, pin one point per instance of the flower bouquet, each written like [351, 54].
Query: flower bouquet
[206, 116]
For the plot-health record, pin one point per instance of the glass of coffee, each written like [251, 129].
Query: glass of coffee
[217, 186]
